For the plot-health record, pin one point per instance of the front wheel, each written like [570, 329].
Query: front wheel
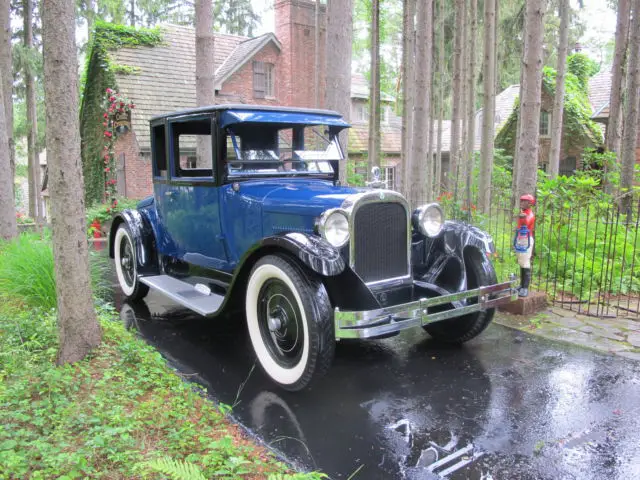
[124, 254]
[458, 330]
[290, 322]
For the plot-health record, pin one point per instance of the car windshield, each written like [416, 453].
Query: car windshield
[292, 150]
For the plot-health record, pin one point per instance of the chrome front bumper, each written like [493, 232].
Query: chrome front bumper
[374, 323]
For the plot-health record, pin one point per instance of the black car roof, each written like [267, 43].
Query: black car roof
[241, 106]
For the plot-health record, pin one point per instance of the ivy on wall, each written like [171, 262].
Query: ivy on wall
[578, 129]
[98, 76]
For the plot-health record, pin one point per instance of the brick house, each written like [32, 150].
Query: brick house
[271, 69]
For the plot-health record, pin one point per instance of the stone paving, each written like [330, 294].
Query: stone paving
[619, 336]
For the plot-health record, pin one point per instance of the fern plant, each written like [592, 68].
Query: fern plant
[176, 469]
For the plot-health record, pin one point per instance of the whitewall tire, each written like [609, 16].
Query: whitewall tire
[124, 254]
[290, 322]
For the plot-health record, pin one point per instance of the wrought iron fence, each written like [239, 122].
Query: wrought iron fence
[586, 256]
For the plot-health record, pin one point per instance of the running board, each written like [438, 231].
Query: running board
[185, 294]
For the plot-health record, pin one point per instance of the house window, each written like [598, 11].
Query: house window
[389, 176]
[269, 74]
[263, 79]
[545, 123]
[361, 113]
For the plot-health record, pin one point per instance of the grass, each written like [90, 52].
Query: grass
[121, 413]
[27, 271]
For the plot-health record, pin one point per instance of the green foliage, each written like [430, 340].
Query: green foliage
[27, 272]
[120, 69]
[582, 67]
[354, 176]
[97, 77]
[103, 212]
[120, 413]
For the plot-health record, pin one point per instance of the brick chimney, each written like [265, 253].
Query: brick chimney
[295, 28]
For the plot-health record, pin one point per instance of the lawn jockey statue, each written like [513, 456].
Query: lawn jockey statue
[523, 241]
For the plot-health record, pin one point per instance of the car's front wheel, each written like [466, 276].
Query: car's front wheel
[290, 322]
[458, 330]
[124, 254]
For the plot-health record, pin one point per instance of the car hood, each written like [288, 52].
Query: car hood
[295, 196]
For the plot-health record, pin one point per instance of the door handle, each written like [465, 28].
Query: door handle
[168, 193]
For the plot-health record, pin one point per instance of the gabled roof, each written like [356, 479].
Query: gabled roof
[165, 79]
[243, 52]
[599, 94]
[360, 89]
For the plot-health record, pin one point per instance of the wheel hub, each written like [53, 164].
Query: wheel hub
[274, 324]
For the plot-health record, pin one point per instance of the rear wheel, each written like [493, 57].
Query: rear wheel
[290, 322]
[124, 254]
[462, 329]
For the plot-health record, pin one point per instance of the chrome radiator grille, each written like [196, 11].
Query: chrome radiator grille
[380, 241]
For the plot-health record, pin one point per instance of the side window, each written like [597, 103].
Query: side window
[192, 148]
[159, 149]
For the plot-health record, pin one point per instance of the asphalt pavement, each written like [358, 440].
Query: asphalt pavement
[507, 405]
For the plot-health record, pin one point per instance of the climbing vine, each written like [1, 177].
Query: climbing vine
[115, 105]
[578, 128]
[99, 75]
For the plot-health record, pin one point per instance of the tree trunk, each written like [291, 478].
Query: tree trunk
[441, 83]
[630, 134]
[374, 95]
[456, 97]
[530, 92]
[338, 70]
[132, 13]
[408, 89]
[489, 107]
[316, 54]
[205, 83]
[614, 128]
[8, 227]
[420, 190]
[471, 128]
[35, 195]
[77, 324]
[6, 79]
[463, 155]
[558, 101]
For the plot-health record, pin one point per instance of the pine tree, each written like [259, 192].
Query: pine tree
[489, 105]
[78, 327]
[558, 101]
[338, 71]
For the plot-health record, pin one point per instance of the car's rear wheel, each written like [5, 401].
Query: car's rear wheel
[290, 322]
[462, 329]
[124, 254]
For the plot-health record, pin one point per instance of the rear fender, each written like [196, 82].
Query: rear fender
[143, 238]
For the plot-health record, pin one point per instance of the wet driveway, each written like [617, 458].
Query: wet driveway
[505, 406]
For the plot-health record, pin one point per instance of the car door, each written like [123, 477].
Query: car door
[188, 202]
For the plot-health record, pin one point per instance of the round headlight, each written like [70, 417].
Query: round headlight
[334, 227]
[429, 219]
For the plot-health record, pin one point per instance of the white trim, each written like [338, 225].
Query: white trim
[284, 376]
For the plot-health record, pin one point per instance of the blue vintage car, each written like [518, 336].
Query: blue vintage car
[248, 216]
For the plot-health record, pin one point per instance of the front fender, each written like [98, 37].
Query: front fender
[142, 235]
[443, 259]
[311, 250]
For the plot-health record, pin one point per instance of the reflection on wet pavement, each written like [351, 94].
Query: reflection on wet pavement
[505, 406]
